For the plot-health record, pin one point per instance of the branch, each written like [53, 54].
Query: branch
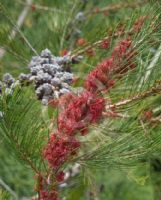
[45, 8]
[154, 90]
[99, 42]
[156, 119]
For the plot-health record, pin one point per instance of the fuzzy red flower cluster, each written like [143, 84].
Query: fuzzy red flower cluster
[100, 78]
[84, 109]
[76, 116]
[59, 149]
[105, 44]
[77, 113]
[46, 195]
[81, 42]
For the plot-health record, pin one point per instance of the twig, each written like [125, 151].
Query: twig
[97, 43]
[45, 8]
[19, 23]
[154, 90]
[156, 119]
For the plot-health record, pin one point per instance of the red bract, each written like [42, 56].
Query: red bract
[97, 80]
[121, 50]
[64, 100]
[60, 176]
[80, 112]
[59, 149]
[100, 78]
[139, 23]
[105, 44]
[49, 195]
[63, 52]
[81, 42]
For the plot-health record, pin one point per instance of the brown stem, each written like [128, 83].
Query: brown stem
[154, 90]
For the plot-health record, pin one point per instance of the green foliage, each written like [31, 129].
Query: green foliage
[18, 177]
[22, 127]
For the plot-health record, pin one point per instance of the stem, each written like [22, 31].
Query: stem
[97, 43]
[45, 8]
[154, 90]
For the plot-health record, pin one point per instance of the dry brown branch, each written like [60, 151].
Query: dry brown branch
[152, 91]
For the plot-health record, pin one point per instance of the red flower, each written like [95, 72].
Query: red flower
[59, 149]
[80, 112]
[81, 42]
[49, 195]
[100, 78]
[139, 23]
[105, 44]
[147, 115]
[63, 52]
[60, 176]
[121, 50]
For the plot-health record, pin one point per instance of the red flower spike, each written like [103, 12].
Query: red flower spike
[59, 149]
[75, 117]
[100, 78]
[79, 113]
